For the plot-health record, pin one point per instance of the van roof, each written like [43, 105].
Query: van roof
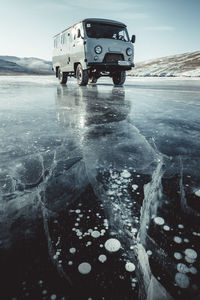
[106, 21]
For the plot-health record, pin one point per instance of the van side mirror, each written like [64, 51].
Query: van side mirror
[133, 39]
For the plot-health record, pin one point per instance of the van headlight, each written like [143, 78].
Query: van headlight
[98, 49]
[129, 51]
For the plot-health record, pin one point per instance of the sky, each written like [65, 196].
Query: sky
[162, 27]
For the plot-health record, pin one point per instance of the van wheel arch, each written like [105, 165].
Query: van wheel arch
[75, 67]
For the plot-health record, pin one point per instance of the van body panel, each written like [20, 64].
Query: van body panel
[77, 45]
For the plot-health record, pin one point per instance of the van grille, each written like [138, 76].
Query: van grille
[113, 57]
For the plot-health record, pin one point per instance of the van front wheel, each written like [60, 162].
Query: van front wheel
[119, 78]
[62, 76]
[81, 75]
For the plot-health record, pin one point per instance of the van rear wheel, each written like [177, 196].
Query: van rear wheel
[119, 78]
[81, 75]
[62, 76]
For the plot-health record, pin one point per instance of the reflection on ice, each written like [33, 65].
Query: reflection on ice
[107, 169]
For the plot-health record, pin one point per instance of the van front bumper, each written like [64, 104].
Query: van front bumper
[110, 65]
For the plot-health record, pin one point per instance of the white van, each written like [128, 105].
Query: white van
[93, 48]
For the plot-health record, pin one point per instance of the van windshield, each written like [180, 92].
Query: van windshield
[106, 31]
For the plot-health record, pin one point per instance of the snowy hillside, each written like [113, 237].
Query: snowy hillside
[8, 66]
[186, 65]
[24, 65]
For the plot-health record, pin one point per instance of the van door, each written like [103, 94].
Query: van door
[68, 62]
[78, 45]
[65, 52]
[62, 50]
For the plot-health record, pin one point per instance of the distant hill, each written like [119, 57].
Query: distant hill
[8, 66]
[27, 65]
[186, 65]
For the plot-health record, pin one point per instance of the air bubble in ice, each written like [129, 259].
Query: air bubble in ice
[89, 243]
[130, 267]
[166, 228]
[193, 270]
[197, 193]
[110, 192]
[159, 220]
[190, 253]
[112, 245]
[182, 280]
[177, 240]
[84, 268]
[102, 231]
[189, 260]
[44, 292]
[180, 226]
[95, 234]
[134, 187]
[134, 230]
[182, 268]
[177, 255]
[72, 250]
[79, 233]
[125, 174]
[102, 258]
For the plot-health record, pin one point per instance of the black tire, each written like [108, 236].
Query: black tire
[119, 78]
[62, 76]
[81, 75]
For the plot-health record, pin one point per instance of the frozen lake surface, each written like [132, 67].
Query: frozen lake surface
[99, 189]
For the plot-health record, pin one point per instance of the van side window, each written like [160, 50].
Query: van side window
[63, 38]
[56, 42]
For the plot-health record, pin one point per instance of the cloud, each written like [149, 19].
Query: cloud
[160, 28]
